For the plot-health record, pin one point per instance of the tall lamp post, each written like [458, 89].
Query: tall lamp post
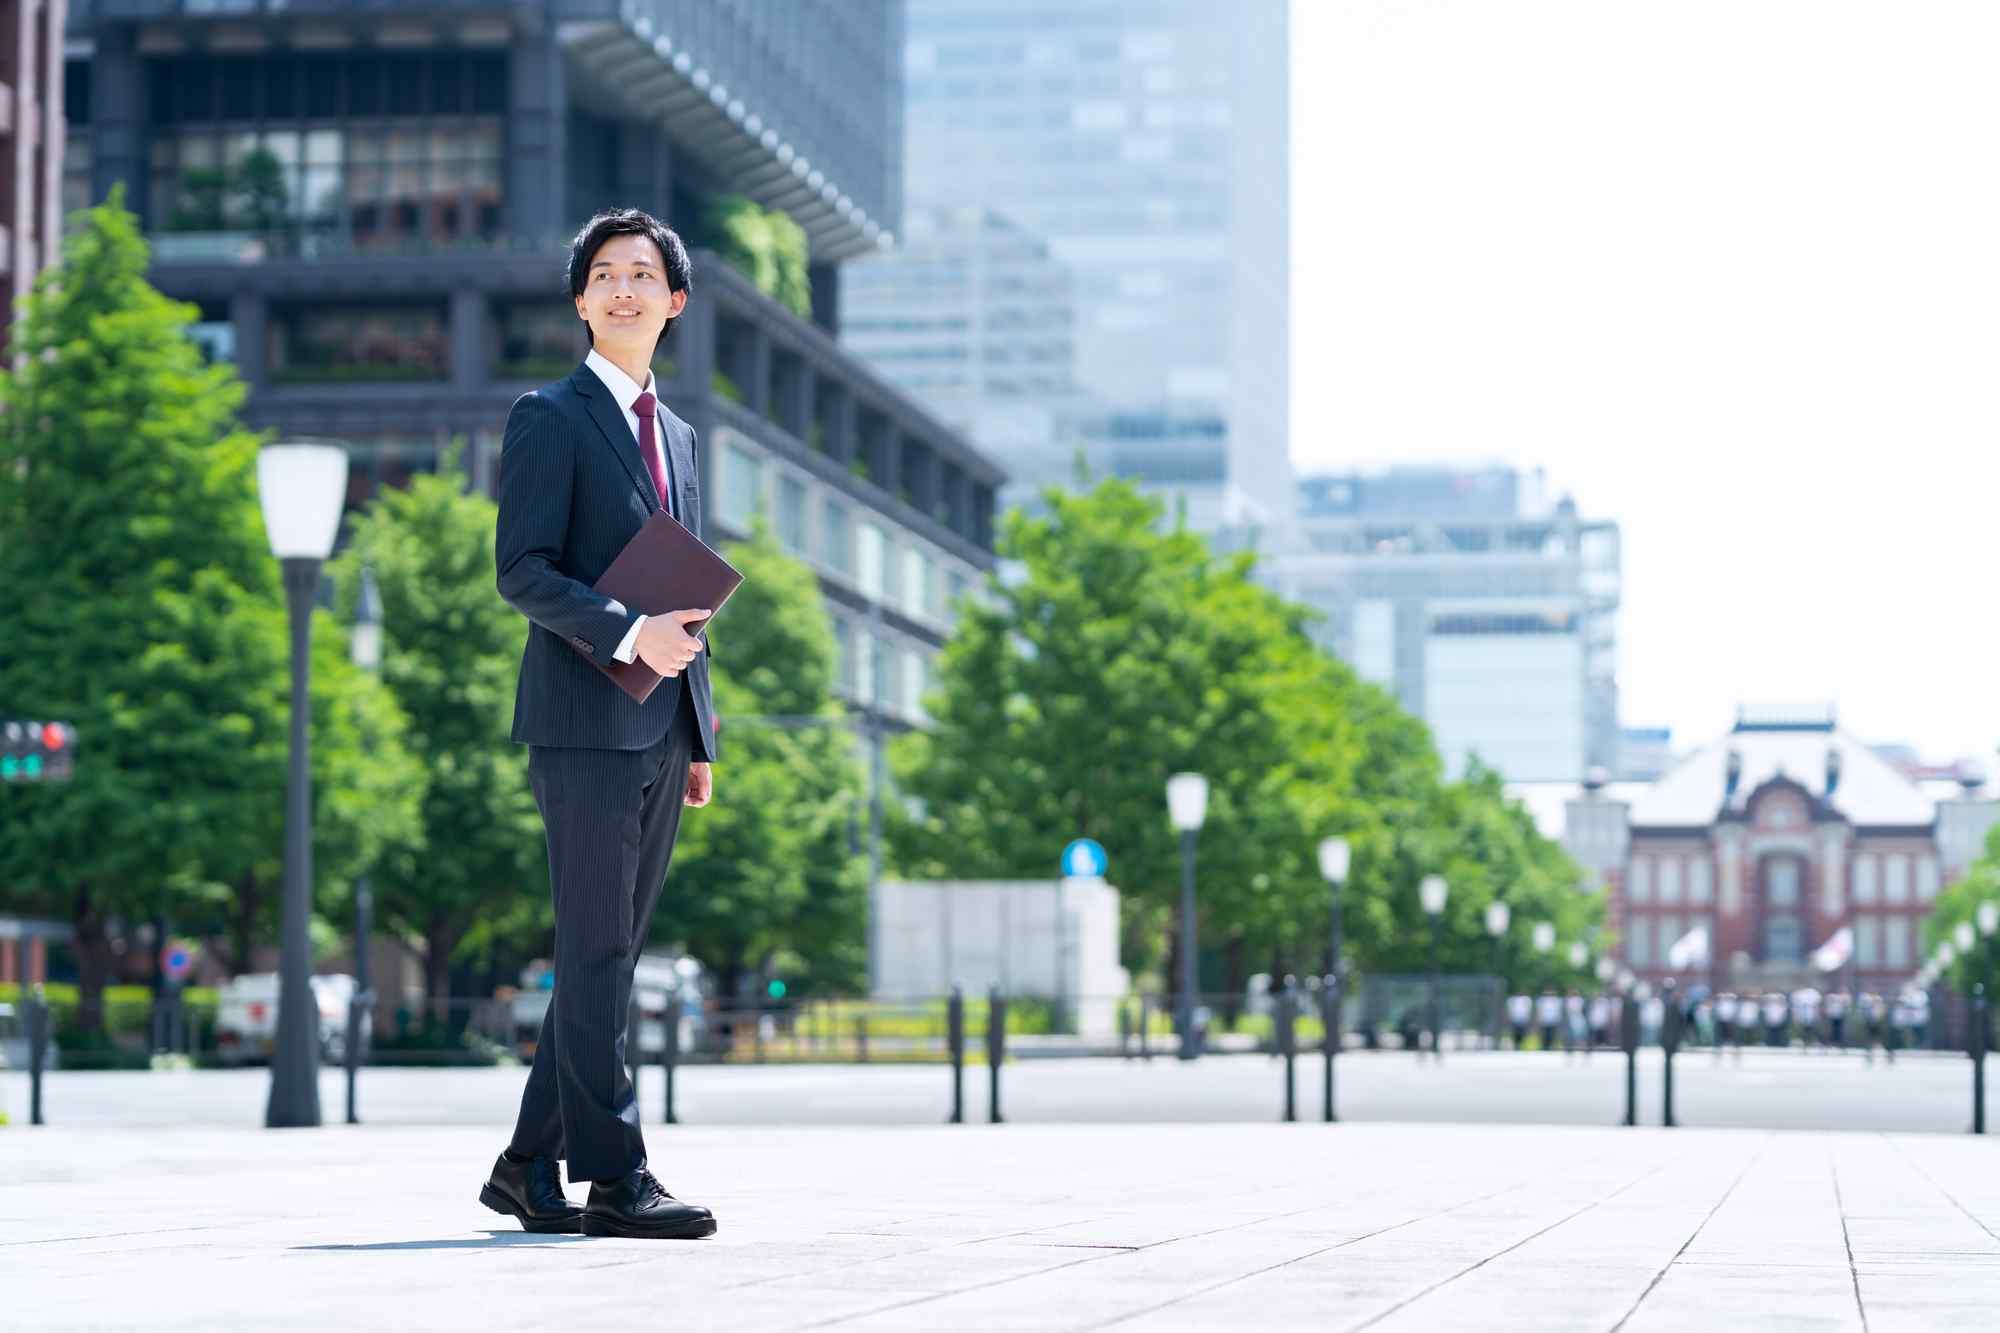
[367, 649]
[1431, 892]
[1187, 805]
[1334, 856]
[1498, 914]
[1987, 915]
[1966, 937]
[301, 488]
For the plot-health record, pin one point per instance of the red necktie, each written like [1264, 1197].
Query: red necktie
[649, 445]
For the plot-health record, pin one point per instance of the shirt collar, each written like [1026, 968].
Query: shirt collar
[621, 385]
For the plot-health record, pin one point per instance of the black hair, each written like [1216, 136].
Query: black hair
[629, 222]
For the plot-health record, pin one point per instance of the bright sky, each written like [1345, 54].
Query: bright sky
[1730, 271]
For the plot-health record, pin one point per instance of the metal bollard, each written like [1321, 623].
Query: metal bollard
[1628, 1039]
[996, 1050]
[1976, 1040]
[37, 1010]
[955, 1038]
[357, 1009]
[670, 1054]
[1288, 1046]
[1670, 1041]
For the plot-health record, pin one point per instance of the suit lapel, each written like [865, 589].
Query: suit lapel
[617, 435]
[680, 457]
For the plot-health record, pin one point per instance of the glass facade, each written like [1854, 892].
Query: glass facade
[1097, 195]
[377, 152]
[332, 343]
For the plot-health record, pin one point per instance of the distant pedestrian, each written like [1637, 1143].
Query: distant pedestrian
[1725, 1019]
[1836, 1018]
[1600, 1019]
[1576, 1023]
[1520, 1012]
[1776, 1011]
[1548, 1015]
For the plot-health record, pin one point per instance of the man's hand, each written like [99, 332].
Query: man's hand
[664, 643]
[701, 785]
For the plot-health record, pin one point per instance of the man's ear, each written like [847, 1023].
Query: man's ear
[677, 304]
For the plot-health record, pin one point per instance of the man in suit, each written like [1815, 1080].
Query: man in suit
[584, 462]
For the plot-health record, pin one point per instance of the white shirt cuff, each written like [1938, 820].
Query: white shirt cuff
[628, 649]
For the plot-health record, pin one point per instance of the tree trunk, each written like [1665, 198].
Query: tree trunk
[93, 959]
[243, 922]
[440, 938]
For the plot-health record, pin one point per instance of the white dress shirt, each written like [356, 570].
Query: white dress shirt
[627, 393]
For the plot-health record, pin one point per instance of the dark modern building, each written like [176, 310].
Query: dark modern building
[31, 142]
[371, 203]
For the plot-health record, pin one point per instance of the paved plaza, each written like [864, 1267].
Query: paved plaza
[1164, 1226]
[1763, 1090]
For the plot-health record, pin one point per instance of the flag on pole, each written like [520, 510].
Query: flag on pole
[1690, 950]
[1833, 955]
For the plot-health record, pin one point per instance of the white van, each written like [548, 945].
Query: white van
[246, 1017]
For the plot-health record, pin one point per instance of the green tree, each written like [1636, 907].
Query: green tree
[762, 244]
[765, 879]
[451, 653]
[144, 606]
[1961, 902]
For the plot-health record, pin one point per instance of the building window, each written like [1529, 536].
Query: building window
[872, 554]
[1895, 941]
[792, 513]
[1868, 940]
[1784, 932]
[843, 656]
[539, 340]
[916, 582]
[743, 488]
[1670, 879]
[1639, 941]
[1867, 880]
[1927, 878]
[360, 343]
[1896, 879]
[915, 682]
[836, 538]
[1670, 935]
[1639, 889]
[1701, 881]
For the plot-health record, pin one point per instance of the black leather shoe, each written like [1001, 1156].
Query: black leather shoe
[636, 1205]
[531, 1191]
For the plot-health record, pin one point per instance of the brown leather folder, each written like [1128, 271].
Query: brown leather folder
[663, 568]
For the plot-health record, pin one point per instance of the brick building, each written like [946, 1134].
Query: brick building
[31, 138]
[1775, 837]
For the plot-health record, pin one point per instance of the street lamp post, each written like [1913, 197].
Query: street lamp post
[1187, 804]
[366, 647]
[1334, 856]
[1966, 936]
[301, 488]
[1431, 892]
[1498, 914]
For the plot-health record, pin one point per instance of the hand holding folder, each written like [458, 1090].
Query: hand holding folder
[663, 568]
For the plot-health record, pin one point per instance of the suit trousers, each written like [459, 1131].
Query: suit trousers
[611, 817]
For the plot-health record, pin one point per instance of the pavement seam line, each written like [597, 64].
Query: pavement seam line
[1115, 1254]
[1951, 1198]
[1502, 1253]
[1700, 1226]
[1833, 1169]
[1325, 1249]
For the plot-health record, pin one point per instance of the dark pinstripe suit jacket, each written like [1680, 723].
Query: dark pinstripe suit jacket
[573, 491]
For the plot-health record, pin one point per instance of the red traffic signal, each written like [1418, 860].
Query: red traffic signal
[37, 751]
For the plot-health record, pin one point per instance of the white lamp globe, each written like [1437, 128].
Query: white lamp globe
[1334, 856]
[1544, 936]
[301, 488]
[1187, 800]
[1431, 892]
[1498, 914]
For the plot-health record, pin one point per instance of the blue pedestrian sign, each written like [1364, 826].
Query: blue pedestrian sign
[1084, 859]
[176, 961]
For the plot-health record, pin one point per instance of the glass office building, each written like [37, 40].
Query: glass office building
[1144, 143]
[1488, 611]
[371, 207]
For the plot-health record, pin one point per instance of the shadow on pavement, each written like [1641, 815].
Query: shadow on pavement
[493, 1240]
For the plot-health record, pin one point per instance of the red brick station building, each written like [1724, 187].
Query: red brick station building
[1775, 837]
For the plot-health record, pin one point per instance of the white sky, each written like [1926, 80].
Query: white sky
[1730, 271]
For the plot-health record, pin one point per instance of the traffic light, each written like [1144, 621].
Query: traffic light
[776, 990]
[37, 751]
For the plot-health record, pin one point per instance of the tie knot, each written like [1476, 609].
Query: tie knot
[642, 406]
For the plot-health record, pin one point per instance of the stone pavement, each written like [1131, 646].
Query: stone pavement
[1164, 1226]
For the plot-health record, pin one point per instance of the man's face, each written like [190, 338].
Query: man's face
[625, 297]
